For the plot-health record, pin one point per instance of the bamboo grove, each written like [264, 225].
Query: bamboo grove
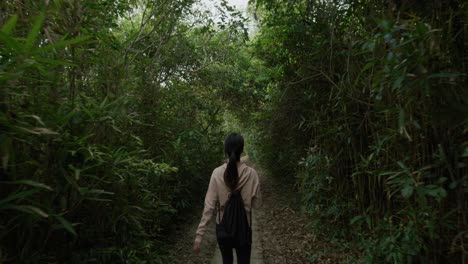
[367, 115]
[108, 126]
[113, 112]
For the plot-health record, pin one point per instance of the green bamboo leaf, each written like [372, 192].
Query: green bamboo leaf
[436, 192]
[397, 82]
[453, 185]
[55, 62]
[443, 75]
[8, 27]
[10, 42]
[85, 190]
[58, 3]
[65, 43]
[32, 35]
[19, 196]
[402, 165]
[37, 118]
[66, 224]
[426, 87]
[32, 183]
[43, 130]
[98, 199]
[356, 218]
[107, 40]
[38, 131]
[407, 191]
[71, 181]
[35, 209]
[77, 174]
[5, 148]
[28, 209]
[401, 119]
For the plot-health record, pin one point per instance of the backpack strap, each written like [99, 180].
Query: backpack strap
[219, 211]
[250, 217]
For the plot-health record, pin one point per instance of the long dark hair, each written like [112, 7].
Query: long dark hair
[233, 147]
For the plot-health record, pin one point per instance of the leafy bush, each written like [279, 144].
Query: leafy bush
[102, 149]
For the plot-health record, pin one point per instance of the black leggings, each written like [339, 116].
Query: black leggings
[243, 254]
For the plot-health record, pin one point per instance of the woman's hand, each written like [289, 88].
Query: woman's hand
[196, 246]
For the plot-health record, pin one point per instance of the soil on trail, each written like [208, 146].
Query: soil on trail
[286, 238]
[181, 252]
[283, 236]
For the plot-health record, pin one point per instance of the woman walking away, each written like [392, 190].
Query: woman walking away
[233, 190]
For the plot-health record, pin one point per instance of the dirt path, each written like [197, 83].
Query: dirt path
[181, 250]
[280, 234]
[286, 237]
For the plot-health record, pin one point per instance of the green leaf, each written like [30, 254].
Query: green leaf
[71, 180]
[55, 62]
[356, 218]
[10, 25]
[32, 183]
[407, 191]
[5, 148]
[443, 75]
[65, 43]
[66, 224]
[98, 199]
[86, 190]
[401, 118]
[37, 118]
[28, 209]
[18, 196]
[437, 193]
[43, 130]
[402, 165]
[58, 3]
[453, 185]
[32, 35]
[397, 82]
[10, 42]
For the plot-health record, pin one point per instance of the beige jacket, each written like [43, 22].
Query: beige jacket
[249, 183]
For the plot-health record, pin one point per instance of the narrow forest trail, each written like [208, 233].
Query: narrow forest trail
[280, 233]
[286, 236]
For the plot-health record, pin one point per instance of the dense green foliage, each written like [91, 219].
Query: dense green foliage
[109, 127]
[367, 106]
[113, 112]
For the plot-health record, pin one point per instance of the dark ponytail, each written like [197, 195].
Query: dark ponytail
[233, 147]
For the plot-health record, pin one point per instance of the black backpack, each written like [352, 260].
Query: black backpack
[234, 230]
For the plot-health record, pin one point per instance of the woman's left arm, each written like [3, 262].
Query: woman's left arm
[257, 196]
